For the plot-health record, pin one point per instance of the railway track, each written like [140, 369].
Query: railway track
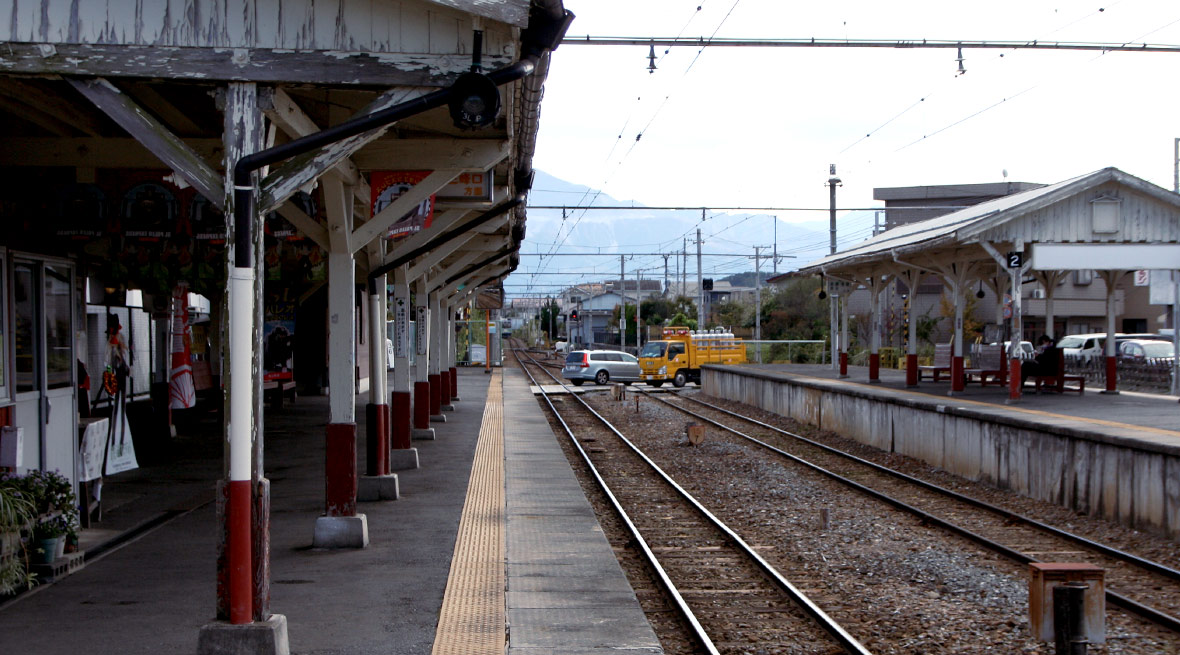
[1144, 588]
[730, 595]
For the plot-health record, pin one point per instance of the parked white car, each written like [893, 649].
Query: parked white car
[1084, 347]
[1146, 348]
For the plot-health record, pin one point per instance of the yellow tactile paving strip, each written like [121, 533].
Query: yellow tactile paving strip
[472, 618]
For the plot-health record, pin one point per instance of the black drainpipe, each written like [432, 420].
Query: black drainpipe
[535, 43]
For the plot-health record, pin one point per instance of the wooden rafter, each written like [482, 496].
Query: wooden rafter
[94, 152]
[154, 136]
[59, 107]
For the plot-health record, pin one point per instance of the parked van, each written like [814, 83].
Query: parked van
[1084, 347]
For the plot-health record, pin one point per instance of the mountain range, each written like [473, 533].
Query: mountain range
[587, 243]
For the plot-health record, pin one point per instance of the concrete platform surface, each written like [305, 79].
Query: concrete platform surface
[1158, 411]
[150, 586]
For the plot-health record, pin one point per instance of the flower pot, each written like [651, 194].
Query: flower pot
[43, 551]
[61, 548]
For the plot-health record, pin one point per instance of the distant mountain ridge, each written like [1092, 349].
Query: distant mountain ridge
[644, 231]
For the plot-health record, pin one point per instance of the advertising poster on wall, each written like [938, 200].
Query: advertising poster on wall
[278, 341]
[388, 186]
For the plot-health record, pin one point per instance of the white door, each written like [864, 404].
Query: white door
[43, 341]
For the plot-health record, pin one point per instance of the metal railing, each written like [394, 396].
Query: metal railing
[789, 351]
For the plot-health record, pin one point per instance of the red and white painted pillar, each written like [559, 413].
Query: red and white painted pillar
[875, 286]
[1112, 370]
[422, 363]
[1015, 382]
[957, 381]
[377, 411]
[400, 417]
[435, 375]
[241, 421]
[911, 350]
[843, 309]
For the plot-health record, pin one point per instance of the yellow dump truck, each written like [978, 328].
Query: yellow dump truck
[680, 353]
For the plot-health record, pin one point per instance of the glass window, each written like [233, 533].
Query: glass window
[653, 349]
[24, 335]
[675, 349]
[59, 360]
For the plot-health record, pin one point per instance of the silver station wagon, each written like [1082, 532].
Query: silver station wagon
[600, 367]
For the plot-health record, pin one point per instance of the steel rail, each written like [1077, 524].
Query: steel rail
[669, 586]
[846, 641]
[1158, 617]
[1110, 551]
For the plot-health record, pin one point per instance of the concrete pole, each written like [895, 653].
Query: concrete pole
[833, 309]
[622, 306]
[758, 300]
[452, 350]
[700, 283]
[638, 314]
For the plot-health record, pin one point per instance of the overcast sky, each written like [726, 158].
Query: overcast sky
[759, 127]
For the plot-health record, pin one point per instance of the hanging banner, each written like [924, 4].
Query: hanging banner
[388, 186]
[182, 393]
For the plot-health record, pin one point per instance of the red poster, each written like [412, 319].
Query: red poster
[388, 186]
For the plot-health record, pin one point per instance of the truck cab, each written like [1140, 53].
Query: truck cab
[679, 355]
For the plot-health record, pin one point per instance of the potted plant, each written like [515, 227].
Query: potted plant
[16, 512]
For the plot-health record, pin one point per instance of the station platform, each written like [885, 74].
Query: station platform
[1116, 456]
[491, 548]
[1092, 407]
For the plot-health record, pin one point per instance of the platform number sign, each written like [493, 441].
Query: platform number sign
[1015, 259]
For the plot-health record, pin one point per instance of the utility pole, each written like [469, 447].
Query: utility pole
[638, 300]
[684, 268]
[700, 283]
[833, 303]
[758, 299]
[774, 260]
[622, 306]
[665, 276]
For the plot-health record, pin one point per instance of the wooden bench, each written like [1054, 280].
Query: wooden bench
[942, 362]
[1057, 382]
[989, 365]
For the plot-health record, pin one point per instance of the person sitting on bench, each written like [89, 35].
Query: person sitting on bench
[1047, 362]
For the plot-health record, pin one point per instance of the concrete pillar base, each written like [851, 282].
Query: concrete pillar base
[370, 488]
[438, 418]
[448, 408]
[843, 376]
[422, 434]
[403, 459]
[1110, 392]
[341, 532]
[267, 637]
[455, 399]
[875, 381]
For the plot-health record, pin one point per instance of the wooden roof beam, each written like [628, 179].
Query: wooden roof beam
[154, 136]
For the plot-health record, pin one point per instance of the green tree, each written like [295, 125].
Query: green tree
[551, 321]
[732, 314]
[794, 311]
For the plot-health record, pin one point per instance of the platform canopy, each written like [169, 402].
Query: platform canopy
[1124, 222]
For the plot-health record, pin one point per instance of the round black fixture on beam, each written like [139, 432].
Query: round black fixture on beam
[475, 101]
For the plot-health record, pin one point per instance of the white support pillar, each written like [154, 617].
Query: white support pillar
[435, 375]
[875, 287]
[401, 454]
[842, 308]
[341, 526]
[422, 429]
[1111, 278]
